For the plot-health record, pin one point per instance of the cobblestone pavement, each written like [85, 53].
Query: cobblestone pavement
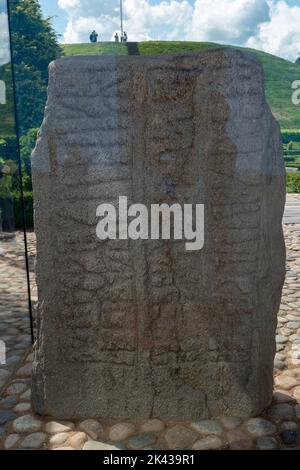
[278, 427]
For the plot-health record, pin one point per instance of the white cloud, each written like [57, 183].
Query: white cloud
[4, 40]
[78, 29]
[90, 8]
[69, 5]
[270, 25]
[227, 21]
[281, 35]
[165, 20]
[142, 20]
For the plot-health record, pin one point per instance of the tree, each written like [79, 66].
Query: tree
[27, 144]
[298, 61]
[35, 45]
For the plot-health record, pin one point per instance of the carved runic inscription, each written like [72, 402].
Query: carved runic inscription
[144, 328]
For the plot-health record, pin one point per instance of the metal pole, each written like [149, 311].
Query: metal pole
[121, 12]
[17, 128]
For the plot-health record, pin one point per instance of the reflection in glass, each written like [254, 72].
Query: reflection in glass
[15, 331]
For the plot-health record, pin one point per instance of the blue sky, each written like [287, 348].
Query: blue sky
[4, 44]
[60, 17]
[269, 25]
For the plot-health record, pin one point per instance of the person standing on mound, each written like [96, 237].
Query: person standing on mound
[93, 36]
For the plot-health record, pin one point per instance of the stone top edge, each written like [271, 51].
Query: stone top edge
[90, 61]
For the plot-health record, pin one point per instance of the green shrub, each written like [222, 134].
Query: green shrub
[293, 181]
[28, 205]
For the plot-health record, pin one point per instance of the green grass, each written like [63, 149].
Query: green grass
[7, 122]
[293, 181]
[100, 48]
[279, 73]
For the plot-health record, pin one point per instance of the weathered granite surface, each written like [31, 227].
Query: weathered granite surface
[145, 328]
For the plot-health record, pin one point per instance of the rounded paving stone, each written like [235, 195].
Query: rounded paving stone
[11, 441]
[296, 393]
[34, 441]
[259, 427]
[120, 445]
[4, 374]
[297, 412]
[295, 355]
[16, 388]
[9, 402]
[59, 439]
[121, 431]
[29, 357]
[289, 438]
[279, 364]
[282, 396]
[290, 372]
[26, 395]
[25, 371]
[208, 443]
[78, 440]
[94, 445]
[280, 357]
[27, 423]
[2, 433]
[239, 440]
[281, 412]
[281, 339]
[285, 331]
[230, 422]
[295, 338]
[64, 448]
[180, 437]
[6, 416]
[207, 427]
[153, 425]
[154, 447]
[293, 325]
[266, 443]
[143, 440]
[284, 382]
[92, 427]
[22, 407]
[54, 427]
[289, 426]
